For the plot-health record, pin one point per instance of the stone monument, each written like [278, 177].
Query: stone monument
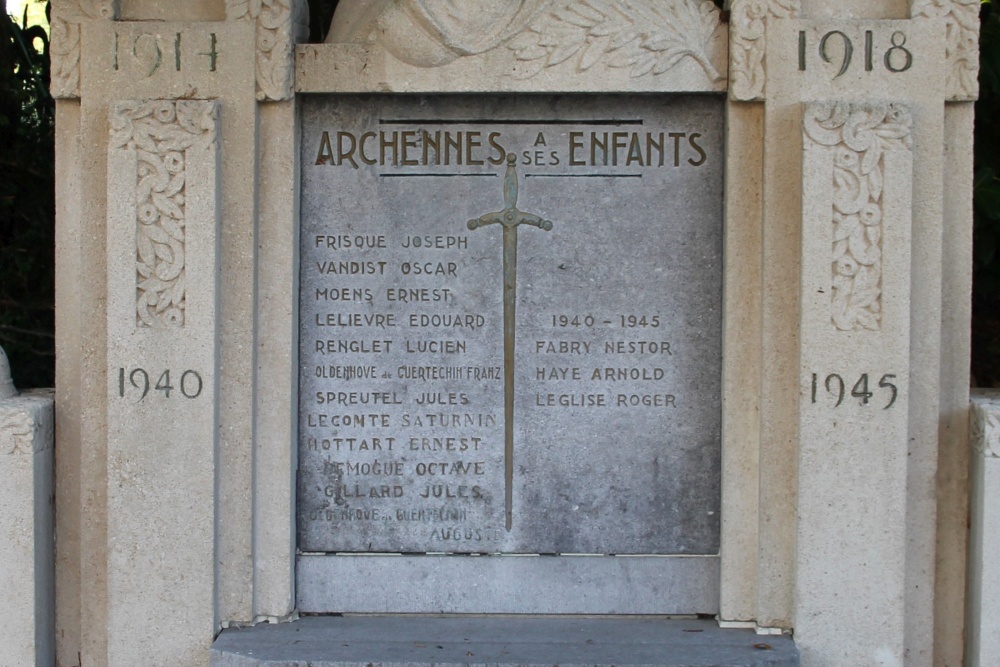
[27, 575]
[553, 307]
[512, 394]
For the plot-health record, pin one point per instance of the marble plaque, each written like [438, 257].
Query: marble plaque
[510, 324]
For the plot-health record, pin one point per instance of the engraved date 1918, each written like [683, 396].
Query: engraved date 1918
[139, 382]
[836, 387]
[896, 57]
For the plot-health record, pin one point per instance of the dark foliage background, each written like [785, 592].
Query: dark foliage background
[986, 198]
[27, 207]
[27, 204]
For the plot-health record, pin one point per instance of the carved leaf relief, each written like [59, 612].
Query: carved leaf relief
[984, 426]
[645, 36]
[17, 431]
[858, 136]
[748, 43]
[961, 42]
[160, 132]
[67, 15]
[279, 25]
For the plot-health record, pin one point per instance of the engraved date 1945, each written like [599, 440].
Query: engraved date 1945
[836, 387]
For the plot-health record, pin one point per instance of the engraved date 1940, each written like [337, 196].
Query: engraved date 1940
[190, 384]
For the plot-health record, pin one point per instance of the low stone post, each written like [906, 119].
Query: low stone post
[982, 633]
[27, 614]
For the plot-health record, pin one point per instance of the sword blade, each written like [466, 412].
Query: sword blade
[509, 314]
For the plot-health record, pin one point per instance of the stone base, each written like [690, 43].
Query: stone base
[27, 569]
[381, 641]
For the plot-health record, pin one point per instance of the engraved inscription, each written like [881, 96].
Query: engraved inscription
[467, 389]
[190, 383]
[149, 52]
[836, 387]
[837, 48]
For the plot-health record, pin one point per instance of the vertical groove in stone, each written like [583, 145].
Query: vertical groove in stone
[953, 452]
[277, 367]
[741, 361]
[69, 340]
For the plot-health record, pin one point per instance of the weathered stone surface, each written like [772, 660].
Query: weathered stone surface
[349, 642]
[163, 337]
[521, 45]
[779, 541]
[616, 365]
[854, 455]
[983, 634]
[460, 584]
[7, 389]
[27, 569]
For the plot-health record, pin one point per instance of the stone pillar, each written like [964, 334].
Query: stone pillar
[163, 222]
[844, 490]
[982, 634]
[165, 112]
[27, 574]
[856, 235]
[868, 265]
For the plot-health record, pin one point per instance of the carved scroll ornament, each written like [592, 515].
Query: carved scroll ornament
[859, 136]
[67, 15]
[17, 433]
[961, 19]
[748, 43]
[160, 132]
[279, 25]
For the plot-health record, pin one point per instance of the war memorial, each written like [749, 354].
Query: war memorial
[564, 332]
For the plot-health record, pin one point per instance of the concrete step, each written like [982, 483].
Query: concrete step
[384, 641]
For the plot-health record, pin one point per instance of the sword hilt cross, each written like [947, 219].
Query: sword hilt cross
[510, 216]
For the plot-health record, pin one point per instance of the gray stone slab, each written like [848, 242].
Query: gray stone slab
[509, 584]
[615, 418]
[567, 642]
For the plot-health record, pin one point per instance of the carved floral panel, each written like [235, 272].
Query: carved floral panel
[161, 132]
[858, 137]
